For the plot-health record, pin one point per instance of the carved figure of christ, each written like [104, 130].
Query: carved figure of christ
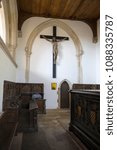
[54, 39]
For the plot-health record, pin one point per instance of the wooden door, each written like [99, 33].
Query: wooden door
[64, 95]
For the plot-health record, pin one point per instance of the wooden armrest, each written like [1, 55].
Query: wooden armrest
[32, 105]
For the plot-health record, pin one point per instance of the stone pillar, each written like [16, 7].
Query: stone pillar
[12, 50]
[79, 58]
[28, 53]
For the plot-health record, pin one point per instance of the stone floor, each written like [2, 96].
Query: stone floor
[53, 133]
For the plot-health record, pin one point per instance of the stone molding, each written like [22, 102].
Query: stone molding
[9, 46]
[68, 30]
[6, 51]
[6, 15]
[11, 21]
[13, 26]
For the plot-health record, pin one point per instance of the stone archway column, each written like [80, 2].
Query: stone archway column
[28, 54]
[13, 27]
[11, 21]
[79, 58]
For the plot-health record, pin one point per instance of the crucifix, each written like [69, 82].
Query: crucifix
[54, 39]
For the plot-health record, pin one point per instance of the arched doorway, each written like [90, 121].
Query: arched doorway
[64, 95]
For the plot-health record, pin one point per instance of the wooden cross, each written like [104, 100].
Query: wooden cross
[54, 39]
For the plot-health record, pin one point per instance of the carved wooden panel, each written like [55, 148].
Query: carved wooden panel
[9, 93]
[19, 107]
[85, 86]
[12, 93]
[85, 117]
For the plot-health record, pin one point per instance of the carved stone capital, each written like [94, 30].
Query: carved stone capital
[28, 53]
[80, 54]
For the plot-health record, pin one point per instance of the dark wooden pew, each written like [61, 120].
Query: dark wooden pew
[33, 107]
[8, 128]
[18, 96]
[85, 116]
[28, 118]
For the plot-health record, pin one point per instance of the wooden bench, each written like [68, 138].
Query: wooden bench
[28, 117]
[41, 106]
[19, 96]
[8, 127]
[33, 115]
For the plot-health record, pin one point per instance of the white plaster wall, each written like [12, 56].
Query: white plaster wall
[7, 72]
[67, 64]
[21, 60]
[91, 57]
[41, 64]
[98, 54]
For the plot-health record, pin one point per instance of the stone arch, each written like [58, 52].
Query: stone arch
[67, 29]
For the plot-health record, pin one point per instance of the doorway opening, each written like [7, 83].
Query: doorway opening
[64, 95]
